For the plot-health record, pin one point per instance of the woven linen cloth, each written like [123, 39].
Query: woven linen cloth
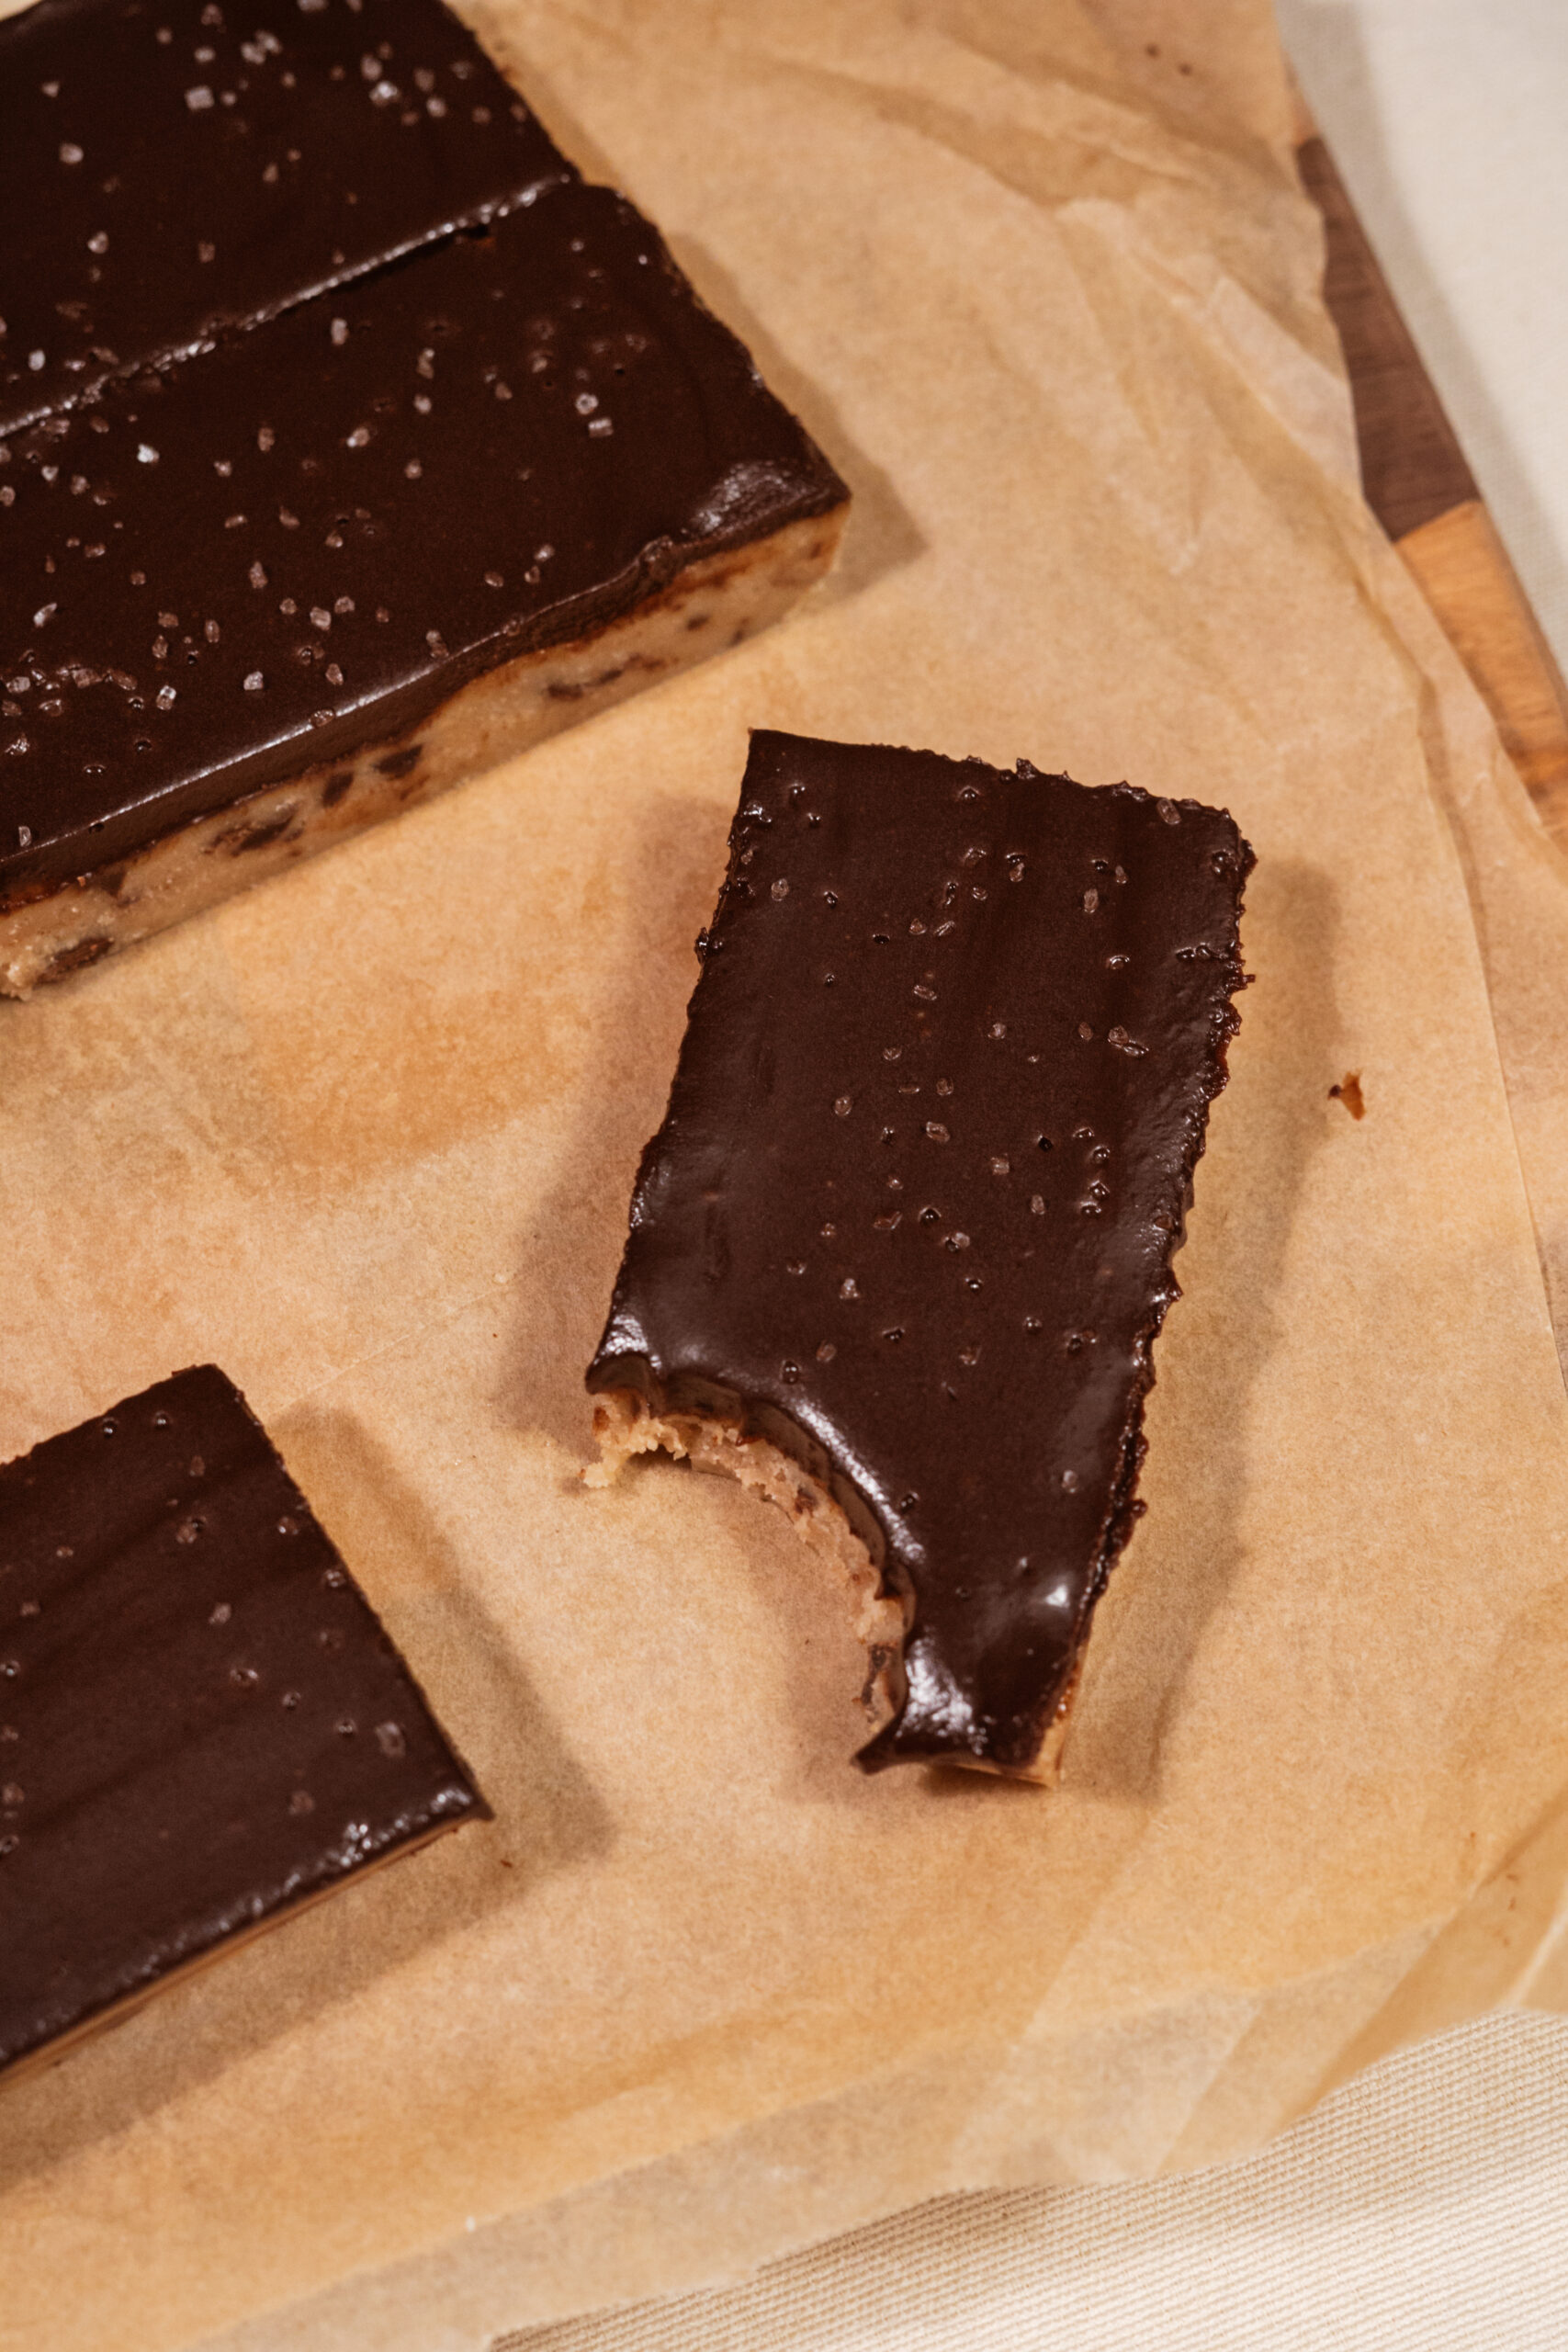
[1423, 2206]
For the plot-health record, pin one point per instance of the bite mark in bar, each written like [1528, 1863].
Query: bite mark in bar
[901, 1247]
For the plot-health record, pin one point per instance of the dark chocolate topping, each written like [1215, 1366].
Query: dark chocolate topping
[219, 574]
[171, 169]
[201, 1722]
[911, 1212]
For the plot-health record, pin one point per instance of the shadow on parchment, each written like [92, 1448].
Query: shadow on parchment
[547, 1817]
[1163, 1594]
[566, 1264]
[568, 1255]
[880, 534]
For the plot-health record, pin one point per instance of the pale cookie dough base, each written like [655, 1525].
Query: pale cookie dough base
[705, 608]
[625, 1426]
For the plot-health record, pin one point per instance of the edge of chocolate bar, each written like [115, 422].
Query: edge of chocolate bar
[271, 553]
[314, 536]
[203, 1725]
[906, 1230]
[712, 604]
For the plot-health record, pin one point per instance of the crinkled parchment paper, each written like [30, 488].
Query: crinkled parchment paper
[367, 1137]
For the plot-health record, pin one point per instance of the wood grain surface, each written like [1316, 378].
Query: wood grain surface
[1421, 489]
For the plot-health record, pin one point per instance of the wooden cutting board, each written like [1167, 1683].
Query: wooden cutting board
[1423, 492]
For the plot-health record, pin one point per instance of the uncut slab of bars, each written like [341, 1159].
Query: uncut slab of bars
[276, 560]
[901, 1251]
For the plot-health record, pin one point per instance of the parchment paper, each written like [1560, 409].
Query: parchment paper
[366, 1136]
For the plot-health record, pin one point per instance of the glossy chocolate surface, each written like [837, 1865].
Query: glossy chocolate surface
[171, 169]
[912, 1209]
[201, 1722]
[303, 542]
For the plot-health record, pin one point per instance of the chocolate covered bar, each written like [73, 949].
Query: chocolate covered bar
[898, 1253]
[202, 1726]
[172, 169]
[256, 598]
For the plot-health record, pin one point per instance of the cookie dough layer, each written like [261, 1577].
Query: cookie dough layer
[624, 1427]
[712, 605]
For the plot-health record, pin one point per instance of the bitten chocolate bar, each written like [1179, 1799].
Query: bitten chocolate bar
[254, 599]
[202, 1724]
[901, 1249]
